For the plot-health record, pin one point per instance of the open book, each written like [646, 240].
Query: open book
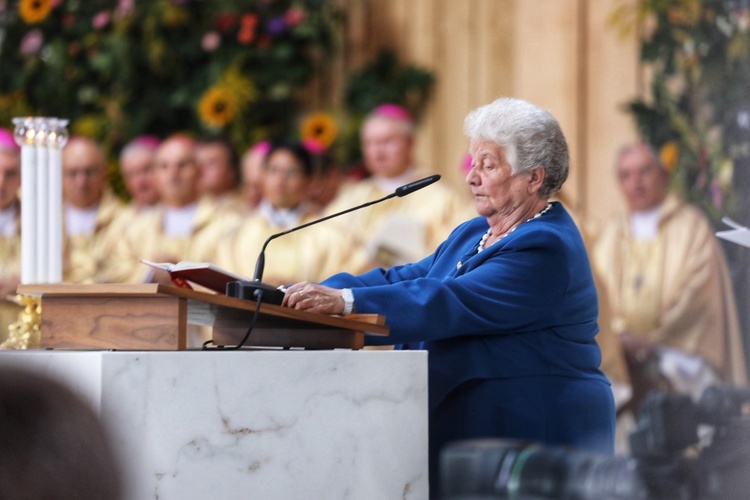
[738, 234]
[201, 273]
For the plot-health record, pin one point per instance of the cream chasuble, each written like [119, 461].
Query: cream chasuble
[310, 254]
[673, 290]
[145, 238]
[10, 265]
[427, 217]
[84, 254]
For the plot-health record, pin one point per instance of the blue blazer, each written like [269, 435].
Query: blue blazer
[524, 308]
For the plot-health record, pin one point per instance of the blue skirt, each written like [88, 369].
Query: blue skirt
[550, 410]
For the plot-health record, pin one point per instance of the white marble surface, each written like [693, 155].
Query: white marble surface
[261, 425]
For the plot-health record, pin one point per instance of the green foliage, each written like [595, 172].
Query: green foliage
[121, 68]
[382, 81]
[699, 54]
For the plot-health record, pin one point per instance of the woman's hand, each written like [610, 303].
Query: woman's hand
[312, 297]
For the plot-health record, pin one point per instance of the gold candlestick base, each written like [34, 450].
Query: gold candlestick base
[26, 332]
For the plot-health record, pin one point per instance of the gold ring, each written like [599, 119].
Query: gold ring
[300, 293]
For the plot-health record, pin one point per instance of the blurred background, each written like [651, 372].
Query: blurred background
[673, 72]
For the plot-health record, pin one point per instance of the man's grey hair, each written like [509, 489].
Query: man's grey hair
[530, 136]
[647, 148]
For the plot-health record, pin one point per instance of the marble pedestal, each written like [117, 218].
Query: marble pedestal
[260, 424]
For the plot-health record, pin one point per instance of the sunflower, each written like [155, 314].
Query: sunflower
[669, 154]
[217, 107]
[320, 127]
[34, 11]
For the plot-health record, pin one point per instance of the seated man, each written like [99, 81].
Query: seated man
[137, 169]
[668, 284]
[219, 172]
[401, 229]
[184, 226]
[89, 209]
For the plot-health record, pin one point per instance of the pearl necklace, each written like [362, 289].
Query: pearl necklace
[489, 231]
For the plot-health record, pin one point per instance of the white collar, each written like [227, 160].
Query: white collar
[644, 224]
[389, 184]
[282, 217]
[180, 221]
[8, 220]
[80, 221]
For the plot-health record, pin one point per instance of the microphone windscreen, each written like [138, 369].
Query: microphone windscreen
[416, 185]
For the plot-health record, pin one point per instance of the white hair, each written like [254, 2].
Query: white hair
[530, 136]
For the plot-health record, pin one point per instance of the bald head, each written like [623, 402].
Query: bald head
[387, 144]
[643, 180]
[137, 169]
[84, 172]
[177, 173]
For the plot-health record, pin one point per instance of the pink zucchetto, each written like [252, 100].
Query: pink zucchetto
[262, 147]
[392, 111]
[313, 146]
[466, 164]
[6, 141]
[146, 141]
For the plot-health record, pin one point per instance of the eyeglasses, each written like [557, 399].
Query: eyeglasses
[289, 173]
[87, 172]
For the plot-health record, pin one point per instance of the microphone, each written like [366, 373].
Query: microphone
[269, 294]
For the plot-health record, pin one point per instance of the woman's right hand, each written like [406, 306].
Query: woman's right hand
[313, 297]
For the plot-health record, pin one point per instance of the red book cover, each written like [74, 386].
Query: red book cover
[204, 274]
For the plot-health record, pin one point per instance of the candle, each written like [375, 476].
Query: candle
[42, 200]
[57, 138]
[24, 136]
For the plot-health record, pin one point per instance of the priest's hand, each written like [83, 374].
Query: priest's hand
[8, 285]
[312, 297]
[637, 349]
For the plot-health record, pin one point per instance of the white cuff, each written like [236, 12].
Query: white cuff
[348, 297]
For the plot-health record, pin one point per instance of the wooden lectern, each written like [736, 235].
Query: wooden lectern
[155, 317]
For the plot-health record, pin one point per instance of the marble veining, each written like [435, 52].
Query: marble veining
[262, 424]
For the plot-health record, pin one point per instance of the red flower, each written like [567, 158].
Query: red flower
[246, 35]
[264, 41]
[68, 20]
[249, 21]
[225, 21]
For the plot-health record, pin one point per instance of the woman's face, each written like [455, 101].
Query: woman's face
[285, 183]
[497, 192]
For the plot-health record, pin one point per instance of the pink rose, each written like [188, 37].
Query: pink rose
[124, 8]
[32, 42]
[211, 41]
[295, 16]
[100, 20]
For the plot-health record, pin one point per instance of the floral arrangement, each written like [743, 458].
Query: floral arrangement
[698, 111]
[122, 68]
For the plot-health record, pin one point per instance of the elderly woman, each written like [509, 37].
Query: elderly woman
[506, 306]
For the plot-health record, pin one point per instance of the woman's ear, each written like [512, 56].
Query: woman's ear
[536, 179]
